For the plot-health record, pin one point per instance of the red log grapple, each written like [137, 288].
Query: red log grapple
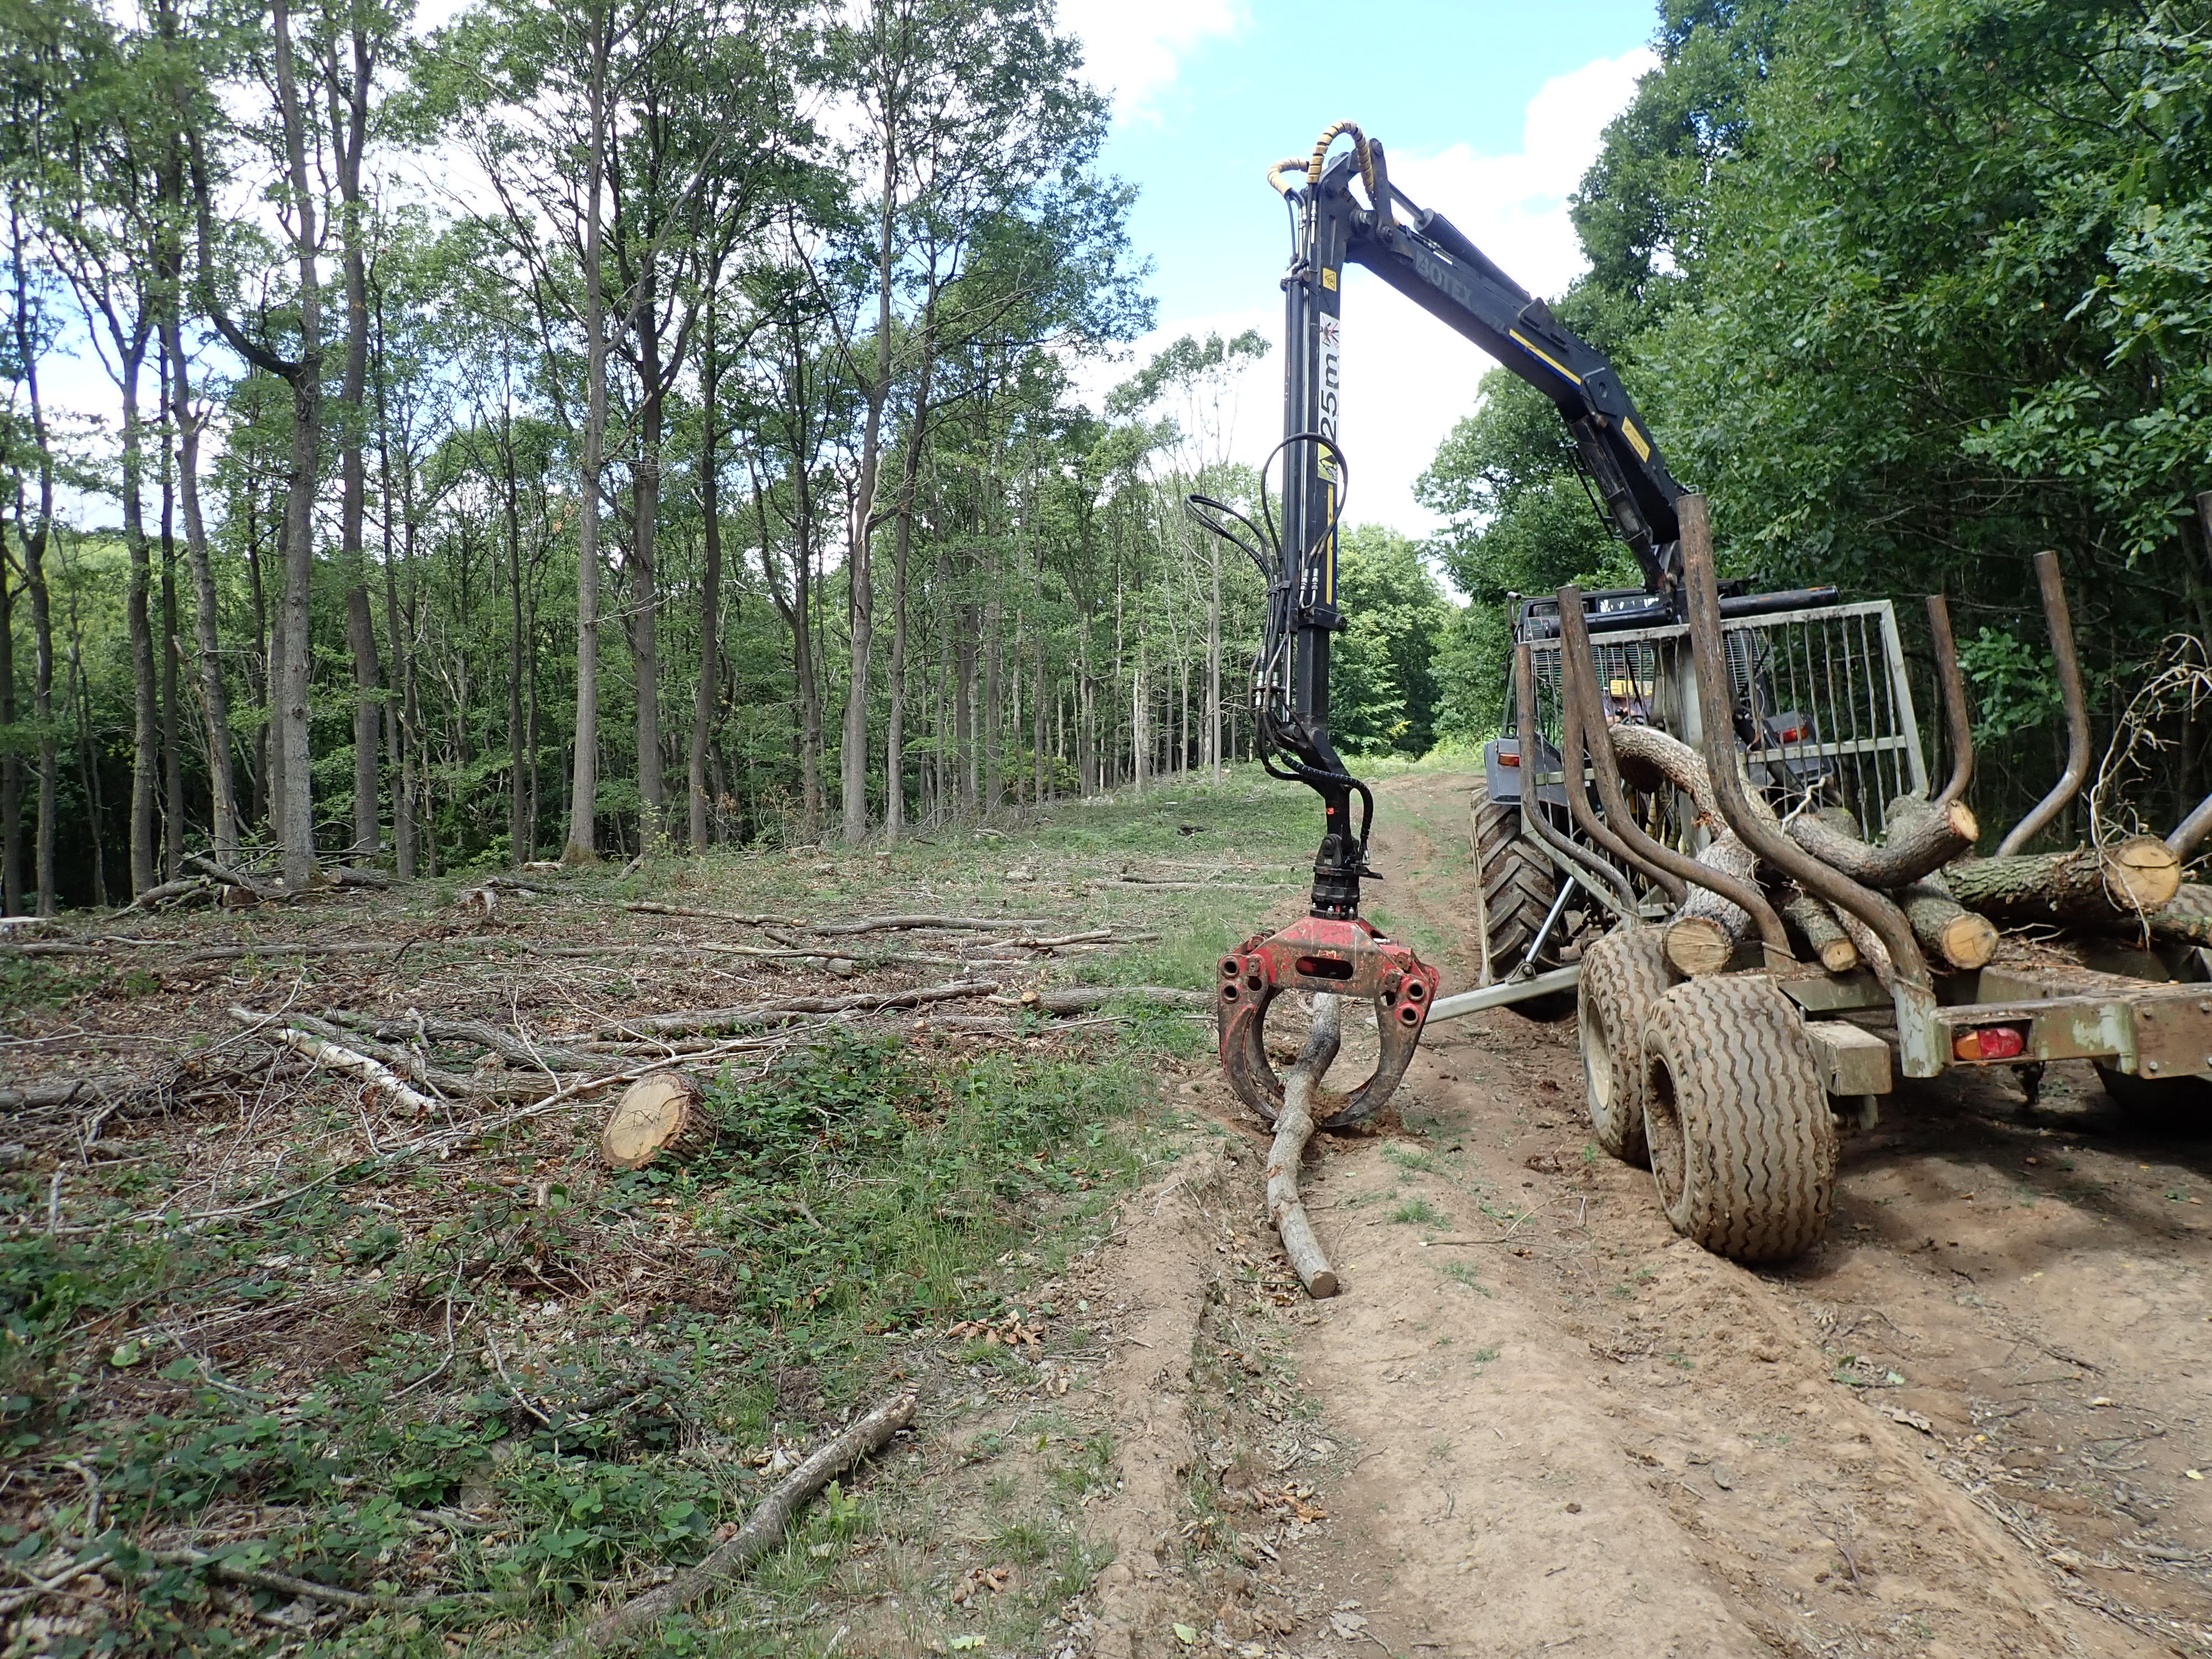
[1342, 957]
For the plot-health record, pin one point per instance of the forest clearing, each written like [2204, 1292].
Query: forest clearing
[302, 1369]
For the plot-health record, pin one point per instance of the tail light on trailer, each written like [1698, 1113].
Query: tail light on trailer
[1989, 1043]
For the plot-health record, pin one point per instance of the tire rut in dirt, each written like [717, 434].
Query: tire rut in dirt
[1515, 887]
[1743, 1148]
[1624, 974]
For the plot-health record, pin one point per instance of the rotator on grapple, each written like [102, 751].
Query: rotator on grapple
[1332, 949]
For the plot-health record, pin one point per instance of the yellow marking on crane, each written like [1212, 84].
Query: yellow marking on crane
[1517, 334]
[1328, 278]
[1636, 439]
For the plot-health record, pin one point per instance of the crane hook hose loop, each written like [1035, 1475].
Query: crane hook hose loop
[1275, 172]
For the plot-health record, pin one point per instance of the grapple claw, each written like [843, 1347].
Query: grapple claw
[1346, 958]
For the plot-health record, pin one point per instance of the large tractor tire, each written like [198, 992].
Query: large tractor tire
[1743, 1148]
[1624, 974]
[2177, 1108]
[1514, 887]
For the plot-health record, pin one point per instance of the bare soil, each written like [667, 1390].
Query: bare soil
[1973, 1422]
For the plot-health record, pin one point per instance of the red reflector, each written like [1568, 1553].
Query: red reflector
[1505, 759]
[1792, 735]
[1989, 1043]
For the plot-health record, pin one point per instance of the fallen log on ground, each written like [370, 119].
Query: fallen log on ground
[1707, 928]
[894, 924]
[2091, 886]
[510, 1046]
[1822, 935]
[1946, 930]
[697, 1021]
[1294, 1127]
[324, 1052]
[1082, 998]
[762, 1531]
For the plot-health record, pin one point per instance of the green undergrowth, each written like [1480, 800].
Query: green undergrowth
[493, 1386]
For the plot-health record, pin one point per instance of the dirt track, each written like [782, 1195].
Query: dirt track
[1973, 1423]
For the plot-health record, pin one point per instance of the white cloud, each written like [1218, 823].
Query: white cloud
[1407, 378]
[1133, 48]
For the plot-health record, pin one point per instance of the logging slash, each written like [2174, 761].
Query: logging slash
[760, 1532]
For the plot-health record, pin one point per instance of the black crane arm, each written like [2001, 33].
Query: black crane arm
[1429, 260]
[1426, 259]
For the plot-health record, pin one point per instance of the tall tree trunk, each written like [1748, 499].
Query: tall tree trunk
[214, 710]
[519, 852]
[173, 755]
[11, 765]
[145, 749]
[399, 729]
[295, 805]
[34, 537]
[644, 619]
[710, 592]
[584, 786]
[348, 97]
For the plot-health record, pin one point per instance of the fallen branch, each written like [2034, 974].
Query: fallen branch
[762, 1531]
[238, 878]
[509, 1046]
[1082, 998]
[694, 1022]
[1294, 1127]
[324, 1052]
[894, 924]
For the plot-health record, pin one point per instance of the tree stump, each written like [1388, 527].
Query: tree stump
[659, 1114]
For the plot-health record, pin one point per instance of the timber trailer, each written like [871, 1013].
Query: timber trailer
[1707, 830]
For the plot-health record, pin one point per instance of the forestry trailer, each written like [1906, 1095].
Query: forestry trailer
[1707, 828]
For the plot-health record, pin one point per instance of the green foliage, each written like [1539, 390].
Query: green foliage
[1384, 686]
[1910, 291]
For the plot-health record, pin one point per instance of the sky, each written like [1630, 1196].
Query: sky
[1490, 111]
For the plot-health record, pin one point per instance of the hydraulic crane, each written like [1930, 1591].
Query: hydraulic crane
[1422, 255]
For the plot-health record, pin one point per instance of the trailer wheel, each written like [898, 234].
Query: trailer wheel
[1515, 885]
[1743, 1149]
[2175, 1106]
[1624, 974]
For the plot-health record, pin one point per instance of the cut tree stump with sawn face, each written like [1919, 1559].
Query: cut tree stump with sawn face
[661, 1114]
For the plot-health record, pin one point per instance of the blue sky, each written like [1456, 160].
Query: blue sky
[1490, 113]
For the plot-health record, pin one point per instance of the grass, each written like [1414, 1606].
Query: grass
[1420, 1213]
[312, 1383]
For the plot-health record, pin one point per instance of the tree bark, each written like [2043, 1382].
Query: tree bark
[145, 745]
[2087, 886]
[1920, 838]
[644, 620]
[295, 805]
[1823, 937]
[207, 612]
[1294, 1127]
[584, 788]
[33, 538]
[710, 591]
[1707, 927]
[1946, 930]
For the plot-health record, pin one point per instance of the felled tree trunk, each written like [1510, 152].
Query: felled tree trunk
[1705, 931]
[1948, 930]
[1921, 838]
[1823, 936]
[1294, 1127]
[2089, 885]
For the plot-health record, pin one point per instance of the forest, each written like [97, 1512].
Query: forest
[571, 432]
[1913, 291]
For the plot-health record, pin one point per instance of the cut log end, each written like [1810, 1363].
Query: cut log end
[1322, 1285]
[2142, 873]
[660, 1115]
[1698, 945]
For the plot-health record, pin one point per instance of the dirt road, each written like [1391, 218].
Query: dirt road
[1973, 1423]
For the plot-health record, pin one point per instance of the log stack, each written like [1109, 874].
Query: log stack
[1956, 903]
